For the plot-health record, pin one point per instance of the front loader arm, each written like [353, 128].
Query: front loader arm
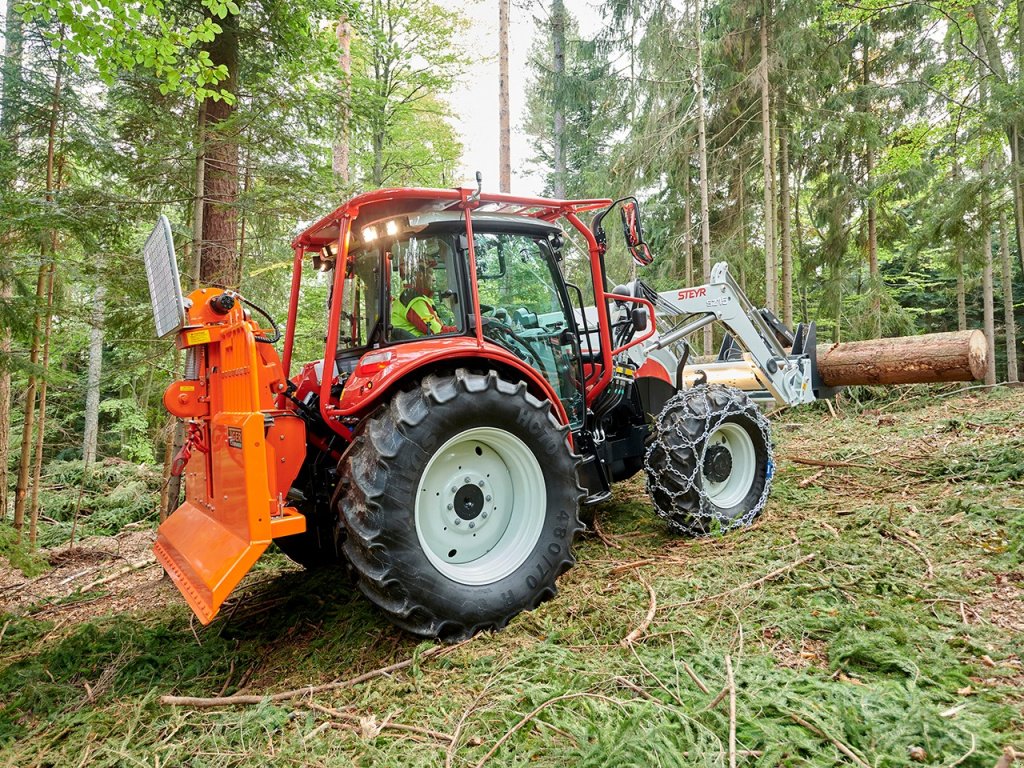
[787, 374]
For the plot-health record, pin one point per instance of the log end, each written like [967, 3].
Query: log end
[977, 354]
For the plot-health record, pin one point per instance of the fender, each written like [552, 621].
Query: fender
[379, 370]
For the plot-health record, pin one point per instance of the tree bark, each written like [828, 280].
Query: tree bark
[37, 465]
[5, 404]
[340, 155]
[961, 294]
[932, 358]
[504, 118]
[687, 225]
[219, 260]
[784, 220]
[1009, 321]
[558, 132]
[770, 269]
[988, 303]
[28, 422]
[92, 385]
[702, 154]
[43, 278]
[875, 286]
[10, 129]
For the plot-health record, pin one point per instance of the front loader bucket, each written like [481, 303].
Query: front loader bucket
[232, 510]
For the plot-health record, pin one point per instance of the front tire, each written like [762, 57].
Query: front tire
[459, 504]
[709, 466]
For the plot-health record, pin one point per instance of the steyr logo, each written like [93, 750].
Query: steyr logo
[692, 293]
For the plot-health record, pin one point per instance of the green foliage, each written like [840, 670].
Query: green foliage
[19, 554]
[106, 498]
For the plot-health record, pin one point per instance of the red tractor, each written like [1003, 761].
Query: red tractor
[470, 398]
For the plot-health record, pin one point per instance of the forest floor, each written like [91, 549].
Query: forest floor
[874, 616]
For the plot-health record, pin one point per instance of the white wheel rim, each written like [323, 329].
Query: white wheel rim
[733, 488]
[480, 506]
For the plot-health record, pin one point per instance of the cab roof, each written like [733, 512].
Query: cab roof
[388, 203]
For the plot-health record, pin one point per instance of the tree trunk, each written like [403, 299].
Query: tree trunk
[5, 404]
[687, 225]
[504, 119]
[219, 263]
[988, 302]
[961, 294]
[875, 286]
[37, 467]
[92, 386]
[784, 219]
[931, 358]
[702, 154]
[558, 132]
[770, 270]
[1009, 322]
[340, 157]
[42, 281]
[28, 423]
[10, 81]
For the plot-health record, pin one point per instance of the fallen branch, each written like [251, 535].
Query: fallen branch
[136, 566]
[749, 585]
[809, 480]
[642, 627]
[829, 464]
[929, 568]
[718, 699]
[359, 720]
[536, 711]
[828, 737]
[239, 699]
[731, 684]
[630, 566]
[696, 678]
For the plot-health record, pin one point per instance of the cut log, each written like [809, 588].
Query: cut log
[930, 359]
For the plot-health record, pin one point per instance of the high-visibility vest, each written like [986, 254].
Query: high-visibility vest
[418, 303]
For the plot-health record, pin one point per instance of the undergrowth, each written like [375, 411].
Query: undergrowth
[894, 623]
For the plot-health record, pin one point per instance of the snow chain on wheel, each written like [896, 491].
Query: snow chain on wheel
[458, 503]
[709, 466]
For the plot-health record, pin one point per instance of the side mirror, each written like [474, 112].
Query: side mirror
[642, 254]
[631, 227]
[639, 318]
[633, 232]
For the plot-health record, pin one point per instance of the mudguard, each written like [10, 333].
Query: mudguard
[240, 457]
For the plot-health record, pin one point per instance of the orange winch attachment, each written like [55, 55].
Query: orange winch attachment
[240, 457]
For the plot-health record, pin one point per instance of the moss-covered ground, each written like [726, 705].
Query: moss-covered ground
[899, 642]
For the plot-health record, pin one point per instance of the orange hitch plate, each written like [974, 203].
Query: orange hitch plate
[240, 461]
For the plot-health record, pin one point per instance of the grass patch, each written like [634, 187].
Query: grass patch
[902, 631]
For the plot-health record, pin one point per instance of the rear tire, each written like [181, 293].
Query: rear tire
[709, 466]
[470, 448]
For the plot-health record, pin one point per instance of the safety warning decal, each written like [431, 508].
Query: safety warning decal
[234, 437]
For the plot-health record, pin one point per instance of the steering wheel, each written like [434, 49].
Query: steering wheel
[502, 334]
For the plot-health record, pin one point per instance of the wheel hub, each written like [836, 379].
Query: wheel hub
[469, 501]
[480, 505]
[717, 463]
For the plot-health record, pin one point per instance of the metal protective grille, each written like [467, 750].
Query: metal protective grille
[164, 284]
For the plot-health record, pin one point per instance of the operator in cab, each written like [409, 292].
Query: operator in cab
[413, 312]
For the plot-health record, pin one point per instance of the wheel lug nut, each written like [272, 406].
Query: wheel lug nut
[483, 515]
[457, 521]
[468, 479]
[481, 483]
[451, 507]
[455, 489]
[472, 525]
[487, 498]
